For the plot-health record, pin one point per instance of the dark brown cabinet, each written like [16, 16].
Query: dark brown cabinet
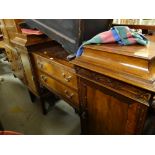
[116, 88]
[111, 86]
[106, 112]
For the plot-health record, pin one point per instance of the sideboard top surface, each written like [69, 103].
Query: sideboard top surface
[140, 51]
[134, 64]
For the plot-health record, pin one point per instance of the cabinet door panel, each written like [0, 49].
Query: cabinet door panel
[106, 114]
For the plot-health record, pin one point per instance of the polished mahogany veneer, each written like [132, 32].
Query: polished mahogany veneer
[110, 86]
[116, 87]
[56, 73]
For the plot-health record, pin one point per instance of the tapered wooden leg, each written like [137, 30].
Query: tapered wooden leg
[48, 102]
[76, 111]
[83, 120]
[32, 96]
[43, 105]
[14, 76]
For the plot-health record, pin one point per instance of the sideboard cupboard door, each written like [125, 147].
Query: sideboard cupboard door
[105, 112]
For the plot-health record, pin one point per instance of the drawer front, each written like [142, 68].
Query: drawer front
[57, 71]
[66, 92]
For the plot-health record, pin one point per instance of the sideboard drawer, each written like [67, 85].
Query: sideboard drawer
[58, 71]
[62, 90]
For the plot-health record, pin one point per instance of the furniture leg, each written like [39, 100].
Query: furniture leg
[32, 96]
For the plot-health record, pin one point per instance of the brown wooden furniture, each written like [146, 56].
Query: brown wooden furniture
[1, 44]
[18, 47]
[56, 73]
[116, 87]
[12, 54]
[111, 86]
[1, 38]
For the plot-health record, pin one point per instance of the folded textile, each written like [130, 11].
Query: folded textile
[31, 31]
[120, 34]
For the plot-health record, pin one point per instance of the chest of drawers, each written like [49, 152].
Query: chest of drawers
[57, 71]
[57, 74]
[16, 63]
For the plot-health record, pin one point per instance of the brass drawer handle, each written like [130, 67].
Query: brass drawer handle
[69, 96]
[40, 65]
[44, 78]
[67, 78]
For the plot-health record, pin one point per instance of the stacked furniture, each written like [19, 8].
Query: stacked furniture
[18, 47]
[110, 86]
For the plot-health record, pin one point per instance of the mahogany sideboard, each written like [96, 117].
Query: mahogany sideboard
[116, 88]
[110, 86]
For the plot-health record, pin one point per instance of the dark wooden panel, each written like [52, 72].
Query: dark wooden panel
[70, 32]
[106, 114]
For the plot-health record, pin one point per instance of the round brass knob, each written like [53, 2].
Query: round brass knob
[40, 65]
[44, 78]
[68, 95]
[67, 78]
